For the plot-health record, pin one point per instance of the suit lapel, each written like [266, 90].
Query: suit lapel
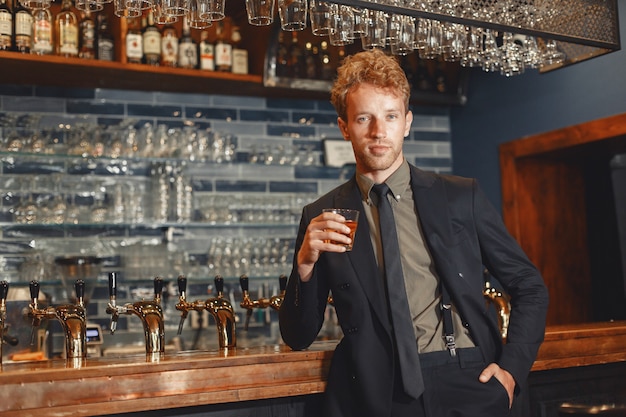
[362, 256]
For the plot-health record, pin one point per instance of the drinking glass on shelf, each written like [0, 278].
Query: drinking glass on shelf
[293, 14]
[401, 34]
[36, 4]
[199, 16]
[175, 7]
[160, 17]
[434, 38]
[89, 5]
[319, 16]
[213, 10]
[260, 12]
[375, 35]
[121, 10]
[341, 25]
[138, 4]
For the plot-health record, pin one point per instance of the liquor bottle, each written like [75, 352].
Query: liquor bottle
[169, 46]
[240, 55]
[422, 77]
[296, 64]
[187, 48]
[66, 31]
[151, 42]
[311, 61]
[134, 41]
[327, 67]
[282, 57]
[23, 28]
[441, 79]
[105, 42]
[87, 29]
[207, 52]
[223, 51]
[6, 26]
[42, 32]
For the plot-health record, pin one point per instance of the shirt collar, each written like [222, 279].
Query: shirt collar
[397, 182]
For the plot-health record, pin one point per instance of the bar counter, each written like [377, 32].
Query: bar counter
[109, 385]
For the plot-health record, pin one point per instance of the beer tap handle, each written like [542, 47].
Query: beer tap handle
[112, 287]
[246, 302]
[112, 298]
[158, 289]
[182, 291]
[80, 292]
[219, 285]
[243, 282]
[4, 291]
[182, 287]
[34, 295]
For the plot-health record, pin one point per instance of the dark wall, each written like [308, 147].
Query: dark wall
[502, 109]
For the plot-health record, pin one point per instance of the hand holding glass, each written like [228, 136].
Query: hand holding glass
[352, 218]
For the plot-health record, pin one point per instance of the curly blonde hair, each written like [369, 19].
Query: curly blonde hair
[372, 67]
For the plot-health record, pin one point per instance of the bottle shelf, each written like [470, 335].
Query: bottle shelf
[87, 73]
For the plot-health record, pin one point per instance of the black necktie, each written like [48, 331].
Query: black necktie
[398, 304]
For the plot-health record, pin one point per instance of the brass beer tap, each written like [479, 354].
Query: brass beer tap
[277, 300]
[219, 307]
[149, 311]
[249, 304]
[72, 317]
[502, 305]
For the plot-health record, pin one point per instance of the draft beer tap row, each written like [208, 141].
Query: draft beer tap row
[73, 315]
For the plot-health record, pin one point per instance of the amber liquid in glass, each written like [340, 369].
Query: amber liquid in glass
[352, 225]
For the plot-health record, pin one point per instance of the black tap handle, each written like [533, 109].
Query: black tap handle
[243, 281]
[158, 286]
[34, 290]
[112, 284]
[80, 289]
[219, 284]
[282, 282]
[4, 290]
[182, 286]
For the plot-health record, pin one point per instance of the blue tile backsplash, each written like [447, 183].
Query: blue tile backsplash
[276, 166]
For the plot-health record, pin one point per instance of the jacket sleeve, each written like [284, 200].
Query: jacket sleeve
[508, 263]
[301, 313]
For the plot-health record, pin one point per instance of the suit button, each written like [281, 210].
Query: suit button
[344, 286]
[352, 330]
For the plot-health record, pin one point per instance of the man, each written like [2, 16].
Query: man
[447, 233]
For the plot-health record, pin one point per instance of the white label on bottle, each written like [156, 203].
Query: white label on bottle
[152, 42]
[42, 36]
[223, 55]
[240, 61]
[134, 48]
[169, 50]
[105, 50]
[68, 40]
[6, 24]
[207, 57]
[23, 24]
[187, 55]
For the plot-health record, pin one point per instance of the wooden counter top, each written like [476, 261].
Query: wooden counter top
[567, 346]
[133, 383]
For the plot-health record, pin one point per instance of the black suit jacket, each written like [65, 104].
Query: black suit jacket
[465, 234]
